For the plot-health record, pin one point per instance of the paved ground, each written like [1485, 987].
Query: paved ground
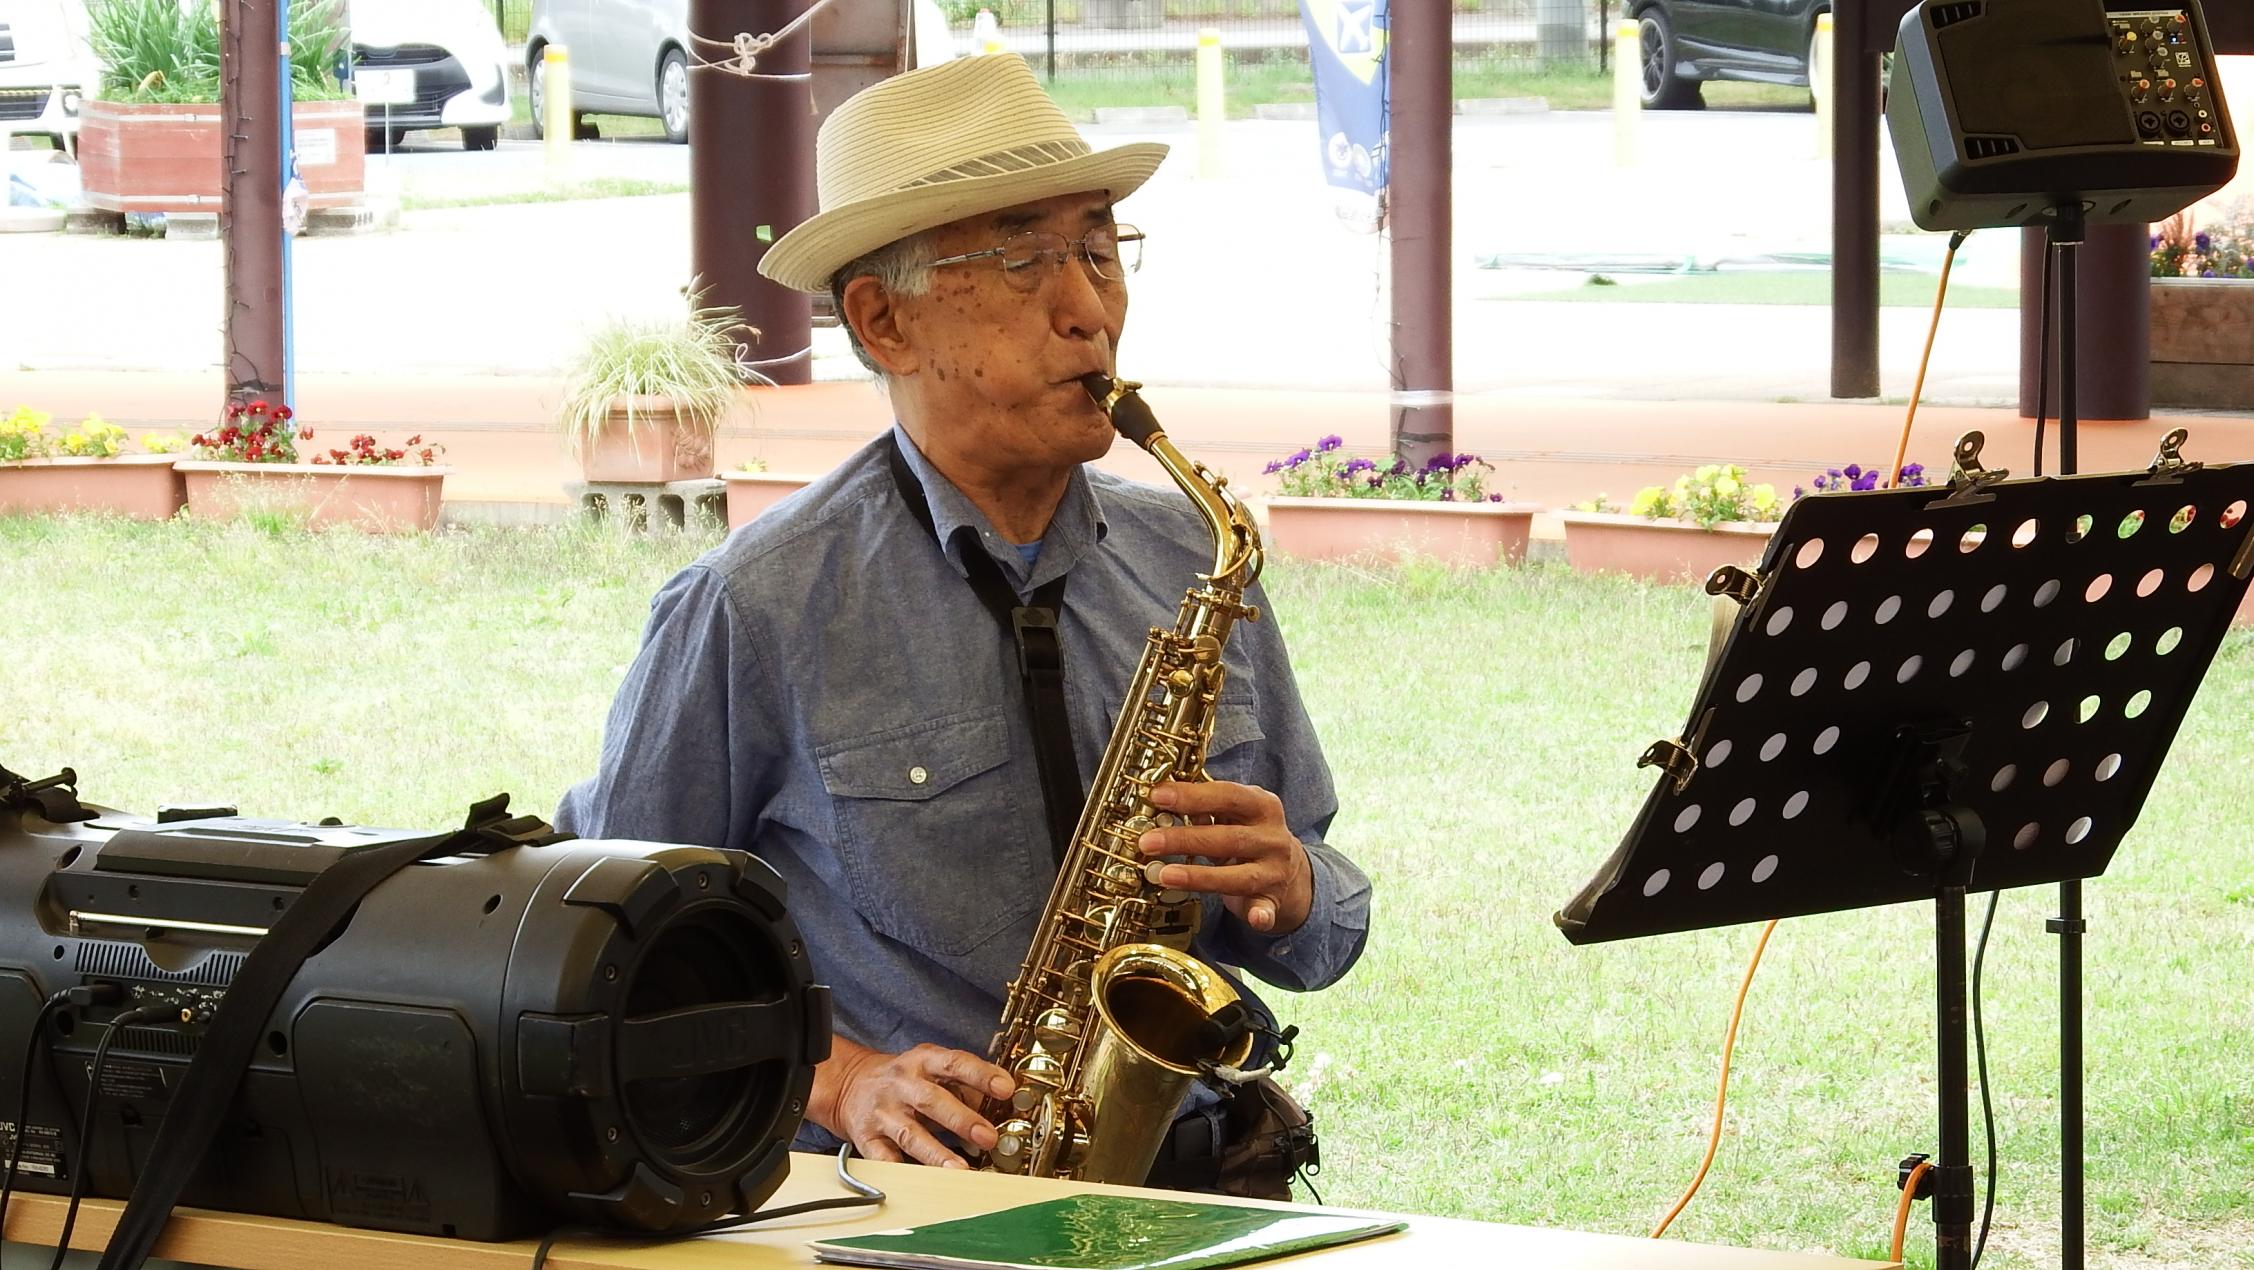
[1262, 278]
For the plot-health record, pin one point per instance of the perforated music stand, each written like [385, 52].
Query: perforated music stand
[1927, 693]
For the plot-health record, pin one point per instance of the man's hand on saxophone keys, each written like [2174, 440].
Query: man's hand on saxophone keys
[1260, 870]
[893, 1106]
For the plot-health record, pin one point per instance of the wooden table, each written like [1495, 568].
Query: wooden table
[915, 1195]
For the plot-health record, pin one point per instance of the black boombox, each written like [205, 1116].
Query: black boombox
[512, 1030]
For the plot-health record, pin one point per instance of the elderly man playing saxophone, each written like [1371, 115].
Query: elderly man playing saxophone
[827, 691]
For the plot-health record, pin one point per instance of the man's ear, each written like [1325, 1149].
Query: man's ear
[874, 315]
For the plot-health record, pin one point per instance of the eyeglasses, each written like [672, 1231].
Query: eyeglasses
[1030, 259]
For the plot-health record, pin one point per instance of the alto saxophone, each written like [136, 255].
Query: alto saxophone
[1110, 1019]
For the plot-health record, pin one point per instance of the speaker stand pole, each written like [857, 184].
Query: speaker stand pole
[2066, 235]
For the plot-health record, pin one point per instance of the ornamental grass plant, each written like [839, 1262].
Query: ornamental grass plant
[690, 362]
[167, 51]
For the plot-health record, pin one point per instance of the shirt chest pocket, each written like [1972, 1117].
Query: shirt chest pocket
[937, 833]
[1235, 752]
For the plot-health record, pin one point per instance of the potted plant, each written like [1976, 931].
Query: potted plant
[1706, 519]
[88, 468]
[2203, 311]
[1329, 506]
[643, 399]
[1681, 532]
[753, 489]
[252, 462]
[150, 135]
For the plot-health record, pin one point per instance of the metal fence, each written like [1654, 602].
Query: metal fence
[1097, 39]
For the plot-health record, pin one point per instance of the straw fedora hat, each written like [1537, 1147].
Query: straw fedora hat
[919, 150]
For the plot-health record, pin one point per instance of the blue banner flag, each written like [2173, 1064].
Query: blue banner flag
[1346, 47]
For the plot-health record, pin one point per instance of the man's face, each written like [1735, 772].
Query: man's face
[998, 362]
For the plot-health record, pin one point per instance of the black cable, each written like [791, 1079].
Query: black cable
[2043, 358]
[31, 1052]
[864, 1195]
[144, 1014]
[1987, 1107]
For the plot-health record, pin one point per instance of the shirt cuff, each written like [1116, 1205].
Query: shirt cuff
[1319, 952]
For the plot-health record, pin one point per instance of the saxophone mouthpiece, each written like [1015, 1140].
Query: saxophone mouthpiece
[1129, 414]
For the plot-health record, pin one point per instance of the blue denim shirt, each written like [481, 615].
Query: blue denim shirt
[825, 690]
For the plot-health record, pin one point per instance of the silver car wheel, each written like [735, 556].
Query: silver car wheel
[673, 96]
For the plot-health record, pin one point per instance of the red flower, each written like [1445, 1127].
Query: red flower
[284, 413]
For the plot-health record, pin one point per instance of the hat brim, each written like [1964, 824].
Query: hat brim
[807, 256]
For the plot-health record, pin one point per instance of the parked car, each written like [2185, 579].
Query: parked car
[628, 57]
[631, 57]
[441, 64]
[46, 65]
[1687, 42]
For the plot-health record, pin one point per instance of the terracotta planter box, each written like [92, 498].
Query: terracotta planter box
[166, 158]
[1658, 550]
[142, 486]
[750, 493]
[382, 500]
[2203, 343]
[661, 447]
[1342, 528]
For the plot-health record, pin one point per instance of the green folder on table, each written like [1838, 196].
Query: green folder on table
[1106, 1232]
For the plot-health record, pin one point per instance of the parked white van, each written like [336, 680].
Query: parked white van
[46, 66]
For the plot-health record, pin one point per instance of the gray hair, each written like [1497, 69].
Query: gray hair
[901, 268]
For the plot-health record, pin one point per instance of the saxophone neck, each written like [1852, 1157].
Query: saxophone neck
[1237, 555]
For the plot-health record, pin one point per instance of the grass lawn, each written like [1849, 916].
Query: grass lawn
[1895, 290]
[598, 187]
[1251, 83]
[1484, 729]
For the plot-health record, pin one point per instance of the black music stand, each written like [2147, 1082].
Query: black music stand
[1928, 693]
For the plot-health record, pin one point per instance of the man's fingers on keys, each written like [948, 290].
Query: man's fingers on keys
[917, 1141]
[942, 1108]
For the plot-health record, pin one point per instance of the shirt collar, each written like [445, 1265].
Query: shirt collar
[1073, 532]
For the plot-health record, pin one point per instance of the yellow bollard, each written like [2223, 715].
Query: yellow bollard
[1820, 81]
[1627, 89]
[555, 104]
[1211, 116]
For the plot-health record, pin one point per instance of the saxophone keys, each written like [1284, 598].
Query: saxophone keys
[1056, 1030]
[1012, 1137]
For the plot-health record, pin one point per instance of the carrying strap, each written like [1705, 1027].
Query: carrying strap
[206, 1094]
[1032, 628]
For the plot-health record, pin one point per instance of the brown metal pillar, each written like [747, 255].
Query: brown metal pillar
[1854, 200]
[751, 177]
[1419, 75]
[2113, 320]
[250, 91]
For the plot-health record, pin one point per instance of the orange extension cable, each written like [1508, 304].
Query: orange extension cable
[1932, 332]
[1902, 1210]
[1721, 1098]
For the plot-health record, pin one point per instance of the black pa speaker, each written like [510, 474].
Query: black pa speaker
[2004, 110]
[505, 1036]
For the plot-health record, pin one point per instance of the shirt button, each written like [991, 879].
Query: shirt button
[917, 776]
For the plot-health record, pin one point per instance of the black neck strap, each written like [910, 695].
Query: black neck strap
[1032, 628]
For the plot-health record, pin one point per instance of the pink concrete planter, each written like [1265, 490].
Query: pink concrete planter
[145, 157]
[750, 493]
[141, 486]
[661, 447]
[380, 500]
[1390, 528]
[1658, 550]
